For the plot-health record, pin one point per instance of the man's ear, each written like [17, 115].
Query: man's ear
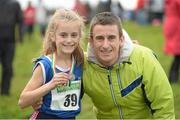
[122, 40]
[90, 41]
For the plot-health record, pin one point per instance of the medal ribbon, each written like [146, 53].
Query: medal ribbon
[54, 65]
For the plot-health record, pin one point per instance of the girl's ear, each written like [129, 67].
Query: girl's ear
[52, 36]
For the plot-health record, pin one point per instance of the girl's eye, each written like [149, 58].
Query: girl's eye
[74, 35]
[63, 35]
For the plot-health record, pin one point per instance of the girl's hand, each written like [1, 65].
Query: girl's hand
[59, 79]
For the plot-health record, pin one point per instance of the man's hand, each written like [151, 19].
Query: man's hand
[37, 105]
[135, 42]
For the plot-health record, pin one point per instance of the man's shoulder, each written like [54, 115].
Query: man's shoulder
[139, 49]
[142, 51]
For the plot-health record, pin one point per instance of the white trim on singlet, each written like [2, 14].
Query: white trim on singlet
[43, 70]
[58, 67]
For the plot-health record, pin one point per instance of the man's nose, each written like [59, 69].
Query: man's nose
[105, 43]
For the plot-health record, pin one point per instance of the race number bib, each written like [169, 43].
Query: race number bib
[66, 98]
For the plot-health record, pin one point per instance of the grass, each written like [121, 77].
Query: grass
[149, 36]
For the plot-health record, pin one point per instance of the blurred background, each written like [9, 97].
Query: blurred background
[142, 19]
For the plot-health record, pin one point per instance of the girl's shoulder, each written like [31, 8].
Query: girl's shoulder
[46, 64]
[44, 59]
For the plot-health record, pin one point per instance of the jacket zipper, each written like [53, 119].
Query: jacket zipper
[113, 96]
[119, 79]
[120, 87]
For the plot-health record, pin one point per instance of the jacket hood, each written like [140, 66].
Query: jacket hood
[124, 54]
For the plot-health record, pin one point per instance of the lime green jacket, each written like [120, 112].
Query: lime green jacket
[135, 87]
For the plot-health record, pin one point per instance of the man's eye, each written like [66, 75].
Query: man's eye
[111, 38]
[99, 38]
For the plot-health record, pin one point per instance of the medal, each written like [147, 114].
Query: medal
[72, 76]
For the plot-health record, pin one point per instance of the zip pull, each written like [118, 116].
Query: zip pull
[109, 79]
[110, 68]
[109, 75]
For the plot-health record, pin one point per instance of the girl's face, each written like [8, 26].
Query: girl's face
[67, 37]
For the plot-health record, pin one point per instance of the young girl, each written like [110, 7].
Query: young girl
[57, 74]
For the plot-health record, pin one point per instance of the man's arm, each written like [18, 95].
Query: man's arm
[157, 88]
[37, 105]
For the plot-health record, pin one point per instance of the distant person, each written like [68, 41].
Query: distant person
[91, 6]
[57, 73]
[156, 11]
[29, 20]
[11, 15]
[41, 17]
[117, 9]
[81, 8]
[141, 13]
[104, 6]
[172, 36]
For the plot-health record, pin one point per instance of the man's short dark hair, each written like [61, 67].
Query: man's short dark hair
[106, 18]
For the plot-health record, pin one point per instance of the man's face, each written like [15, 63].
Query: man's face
[106, 43]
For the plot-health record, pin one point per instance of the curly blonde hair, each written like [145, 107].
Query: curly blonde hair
[67, 16]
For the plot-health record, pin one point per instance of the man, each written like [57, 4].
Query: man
[11, 14]
[124, 80]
